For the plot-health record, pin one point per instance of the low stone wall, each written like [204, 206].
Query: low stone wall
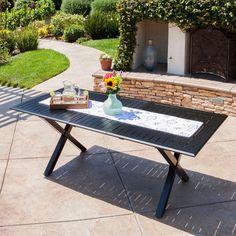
[200, 94]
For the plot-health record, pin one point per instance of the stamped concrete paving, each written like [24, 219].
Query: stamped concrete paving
[114, 187]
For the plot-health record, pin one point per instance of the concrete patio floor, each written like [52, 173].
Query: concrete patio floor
[113, 188]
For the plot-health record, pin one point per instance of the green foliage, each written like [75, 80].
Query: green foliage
[62, 20]
[104, 6]
[4, 53]
[8, 37]
[20, 4]
[38, 24]
[72, 33]
[23, 17]
[100, 25]
[27, 39]
[46, 8]
[187, 14]
[81, 40]
[82, 7]
[6, 4]
[31, 68]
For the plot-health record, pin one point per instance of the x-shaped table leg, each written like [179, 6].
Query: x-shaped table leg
[65, 134]
[174, 168]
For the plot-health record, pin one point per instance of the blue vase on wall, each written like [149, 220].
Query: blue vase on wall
[112, 106]
[150, 56]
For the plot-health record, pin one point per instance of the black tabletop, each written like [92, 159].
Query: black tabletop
[184, 145]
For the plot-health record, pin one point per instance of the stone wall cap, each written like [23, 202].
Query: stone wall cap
[177, 80]
[233, 89]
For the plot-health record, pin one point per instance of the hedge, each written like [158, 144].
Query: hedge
[186, 14]
[102, 26]
[105, 6]
[76, 6]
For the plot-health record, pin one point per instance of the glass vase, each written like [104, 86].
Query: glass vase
[150, 56]
[112, 106]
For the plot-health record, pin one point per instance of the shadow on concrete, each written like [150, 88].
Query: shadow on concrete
[10, 97]
[206, 205]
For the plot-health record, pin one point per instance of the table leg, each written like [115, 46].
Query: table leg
[174, 168]
[57, 151]
[65, 134]
[166, 192]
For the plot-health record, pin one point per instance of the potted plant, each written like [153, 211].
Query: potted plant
[105, 61]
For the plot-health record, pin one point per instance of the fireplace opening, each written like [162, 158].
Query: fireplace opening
[158, 33]
[213, 55]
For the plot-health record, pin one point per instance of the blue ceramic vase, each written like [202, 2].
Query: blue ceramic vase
[112, 106]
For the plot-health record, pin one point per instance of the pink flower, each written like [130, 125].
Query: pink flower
[108, 75]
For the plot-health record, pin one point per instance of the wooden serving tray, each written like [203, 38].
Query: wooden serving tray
[69, 104]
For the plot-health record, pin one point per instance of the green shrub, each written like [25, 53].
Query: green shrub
[24, 4]
[82, 7]
[72, 33]
[104, 5]
[46, 8]
[8, 37]
[27, 39]
[23, 17]
[15, 18]
[99, 25]
[62, 20]
[4, 53]
[82, 40]
[38, 24]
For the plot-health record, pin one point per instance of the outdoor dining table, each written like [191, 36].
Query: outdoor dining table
[170, 129]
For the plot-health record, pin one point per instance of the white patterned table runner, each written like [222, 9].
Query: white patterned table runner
[161, 122]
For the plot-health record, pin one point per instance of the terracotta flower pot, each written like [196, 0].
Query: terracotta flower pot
[106, 64]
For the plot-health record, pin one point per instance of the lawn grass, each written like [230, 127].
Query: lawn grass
[108, 46]
[33, 67]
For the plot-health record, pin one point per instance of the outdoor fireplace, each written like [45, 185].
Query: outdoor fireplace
[214, 52]
[171, 43]
[204, 51]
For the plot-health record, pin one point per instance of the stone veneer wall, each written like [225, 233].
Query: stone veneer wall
[215, 98]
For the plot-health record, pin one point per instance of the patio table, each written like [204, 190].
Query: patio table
[171, 130]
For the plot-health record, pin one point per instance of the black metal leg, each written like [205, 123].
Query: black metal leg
[179, 170]
[166, 192]
[174, 168]
[57, 152]
[65, 134]
[182, 174]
